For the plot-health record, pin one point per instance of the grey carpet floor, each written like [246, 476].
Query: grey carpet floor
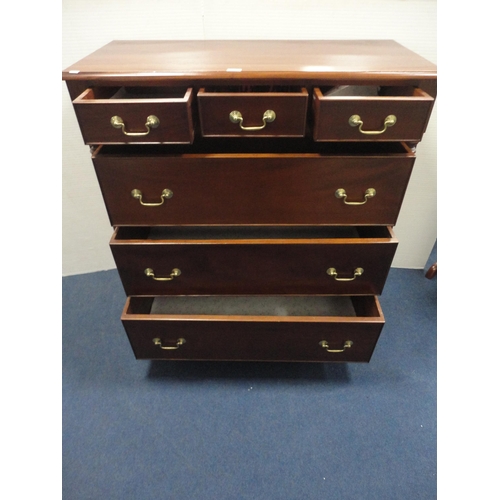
[143, 430]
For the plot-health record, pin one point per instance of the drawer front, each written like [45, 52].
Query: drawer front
[287, 190]
[253, 338]
[380, 118]
[125, 117]
[345, 266]
[253, 114]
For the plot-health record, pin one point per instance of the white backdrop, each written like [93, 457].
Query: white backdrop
[89, 24]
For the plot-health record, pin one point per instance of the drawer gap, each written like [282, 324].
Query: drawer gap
[204, 233]
[243, 233]
[149, 93]
[277, 306]
[253, 89]
[370, 91]
[270, 146]
[132, 93]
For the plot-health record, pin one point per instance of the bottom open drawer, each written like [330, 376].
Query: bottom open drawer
[248, 328]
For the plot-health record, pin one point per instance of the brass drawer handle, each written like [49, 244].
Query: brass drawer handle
[152, 121]
[179, 342]
[333, 272]
[137, 194]
[347, 344]
[151, 274]
[355, 121]
[341, 194]
[268, 117]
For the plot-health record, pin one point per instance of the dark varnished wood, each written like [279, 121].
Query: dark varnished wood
[290, 108]
[331, 116]
[432, 271]
[223, 177]
[284, 264]
[254, 338]
[253, 189]
[95, 107]
[240, 60]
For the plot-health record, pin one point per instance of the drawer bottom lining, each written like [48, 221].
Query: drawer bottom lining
[255, 306]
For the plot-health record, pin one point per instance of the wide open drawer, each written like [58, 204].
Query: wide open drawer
[110, 115]
[272, 328]
[388, 114]
[344, 185]
[253, 112]
[253, 260]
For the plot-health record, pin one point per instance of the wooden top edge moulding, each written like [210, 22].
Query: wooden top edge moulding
[285, 59]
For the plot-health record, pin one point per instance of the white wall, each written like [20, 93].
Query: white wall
[89, 24]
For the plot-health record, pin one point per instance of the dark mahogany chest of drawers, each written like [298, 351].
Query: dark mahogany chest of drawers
[253, 187]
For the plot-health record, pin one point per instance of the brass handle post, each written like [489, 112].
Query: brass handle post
[347, 345]
[342, 195]
[152, 121]
[268, 117]
[151, 274]
[355, 121]
[166, 193]
[333, 272]
[179, 342]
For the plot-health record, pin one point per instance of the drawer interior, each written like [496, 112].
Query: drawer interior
[268, 146]
[246, 89]
[370, 91]
[149, 93]
[254, 306]
[277, 306]
[206, 233]
[132, 93]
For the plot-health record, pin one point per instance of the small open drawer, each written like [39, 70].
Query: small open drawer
[381, 114]
[147, 115]
[271, 328]
[253, 111]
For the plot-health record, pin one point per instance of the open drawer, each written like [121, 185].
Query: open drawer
[146, 115]
[272, 328]
[382, 114]
[253, 112]
[253, 260]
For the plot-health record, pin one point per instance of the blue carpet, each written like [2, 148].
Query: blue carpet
[143, 430]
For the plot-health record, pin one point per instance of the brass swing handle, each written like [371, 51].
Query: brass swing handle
[355, 121]
[341, 194]
[179, 342]
[268, 117]
[152, 121]
[333, 272]
[347, 344]
[151, 274]
[137, 194]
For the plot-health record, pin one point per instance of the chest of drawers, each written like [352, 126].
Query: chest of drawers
[253, 187]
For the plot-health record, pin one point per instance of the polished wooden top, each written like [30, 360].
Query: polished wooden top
[272, 59]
